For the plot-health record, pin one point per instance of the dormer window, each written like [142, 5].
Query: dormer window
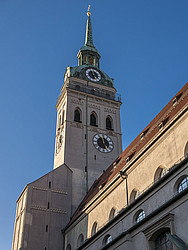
[174, 101]
[163, 123]
[160, 126]
[142, 136]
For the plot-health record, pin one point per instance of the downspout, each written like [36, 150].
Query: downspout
[124, 176]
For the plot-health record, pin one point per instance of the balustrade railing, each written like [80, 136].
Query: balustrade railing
[107, 95]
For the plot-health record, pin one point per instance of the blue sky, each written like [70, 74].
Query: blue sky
[144, 47]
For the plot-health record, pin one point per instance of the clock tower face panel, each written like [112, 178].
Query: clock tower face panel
[103, 143]
[93, 75]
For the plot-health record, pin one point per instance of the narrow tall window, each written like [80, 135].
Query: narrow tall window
[46, 228]
[113, 213]
[93, 119]
[109, 123]
[80, 61]
[186, 150]
[80, 240]
[91, 61]
[62, 119]
[50, 184]
[84, 59]
[134, 195]
[77, 115]
[59, 120]
[94, 228]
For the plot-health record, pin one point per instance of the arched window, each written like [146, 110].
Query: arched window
[59, 120]
[113, 213]
[134, 195]
[68, 247]
[183, 184]
[93, 119]
[109, 123]
[107, 239]
[77, 115]
[60, 139]
[80, 240]
[140, 216]
[186, 150]
[77, 86]
[159, 237]
[162, 242]
[84, 59]
[160, 172]
[93, 91]
[62, 119]
[80, 61]
[91, 60]
[94, 228]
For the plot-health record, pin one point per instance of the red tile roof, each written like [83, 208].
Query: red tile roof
[167, 114]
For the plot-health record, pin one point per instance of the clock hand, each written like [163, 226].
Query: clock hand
[103, 141]
[93, 74]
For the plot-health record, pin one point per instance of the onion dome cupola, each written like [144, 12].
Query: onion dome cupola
[88, 54]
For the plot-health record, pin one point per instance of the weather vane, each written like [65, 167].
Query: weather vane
[88, 10]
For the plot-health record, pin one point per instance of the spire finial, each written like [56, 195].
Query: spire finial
[89, 37]
[88, 10]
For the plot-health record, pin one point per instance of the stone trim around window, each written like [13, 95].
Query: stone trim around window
[152, 231]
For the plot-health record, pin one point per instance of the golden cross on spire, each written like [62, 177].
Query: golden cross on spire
[88, 10]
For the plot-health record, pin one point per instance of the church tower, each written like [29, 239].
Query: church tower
[88, 133]
[88, 140]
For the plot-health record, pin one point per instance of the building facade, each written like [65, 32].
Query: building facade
[141, 200]
[98, 197]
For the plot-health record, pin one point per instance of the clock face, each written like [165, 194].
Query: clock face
[103, 143]
[93, 75]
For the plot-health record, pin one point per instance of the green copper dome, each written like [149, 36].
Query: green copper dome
[80, 72]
